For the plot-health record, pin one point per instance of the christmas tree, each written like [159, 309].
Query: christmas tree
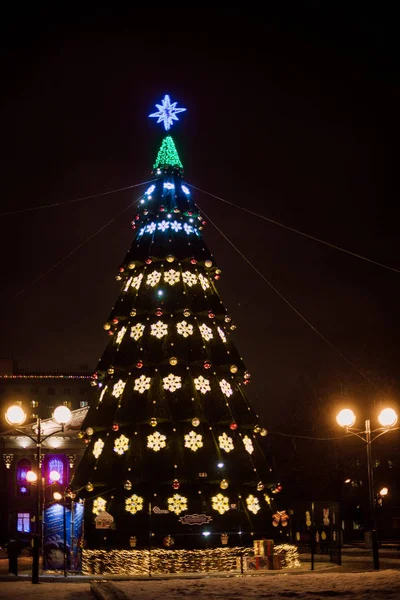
[171, 433]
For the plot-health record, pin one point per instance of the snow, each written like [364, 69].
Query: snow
[61, 591]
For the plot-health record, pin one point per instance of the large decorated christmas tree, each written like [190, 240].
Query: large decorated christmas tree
[173, 444]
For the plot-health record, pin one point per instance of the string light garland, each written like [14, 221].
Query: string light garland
[133, 504]
[121, 444]
[142, 384]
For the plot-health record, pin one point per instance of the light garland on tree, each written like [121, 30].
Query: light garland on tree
[193, 440]
[206, 332]
[221, 334]
[118, 388]
[253, 504]
[120, 335]
[171, 276]
[98, 448]
[156, 441]
[142, 384]
[177, 504]
[133, 504]
[205, 284]
[248, 444]
[225, 442]
[128, 283]
[153, 278]
[121, 444]
[189, 278]
[172, 382]
[220, 503]
[289, 554]
[159, 329]
[137, 331]
[136, 281]
[167, 155]
[202, 384]
[226, 388]
[99, 505]
[184, 329]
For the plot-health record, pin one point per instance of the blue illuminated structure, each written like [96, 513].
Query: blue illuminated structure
[167, 112]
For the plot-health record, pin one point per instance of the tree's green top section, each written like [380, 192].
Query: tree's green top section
[167, 154]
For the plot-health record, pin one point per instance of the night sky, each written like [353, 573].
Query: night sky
[293, 115]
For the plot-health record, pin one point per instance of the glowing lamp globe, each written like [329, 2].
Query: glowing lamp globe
[15, 415]
[57, 496]
[54, 475]
[31, 477]
[388, 417]
[62, 415]
[346, 418]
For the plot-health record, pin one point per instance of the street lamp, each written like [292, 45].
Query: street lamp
[16, 416]
[388, 419]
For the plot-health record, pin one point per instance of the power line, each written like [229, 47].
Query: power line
[43, 206]
[298, 313]
[311, 237]
[307, 437]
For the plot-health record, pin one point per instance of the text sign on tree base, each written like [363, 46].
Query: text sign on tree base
[195, 519]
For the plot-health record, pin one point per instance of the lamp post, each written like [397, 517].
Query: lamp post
[16, 416]
[388, 419]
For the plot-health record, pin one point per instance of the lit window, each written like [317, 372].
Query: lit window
[23, 487]
[55, 463]
[24, 522]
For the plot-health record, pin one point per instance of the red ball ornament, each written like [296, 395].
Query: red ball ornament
[86, 440]
[139, 364]
[133, 226]
[204, 222]
[190, 213]
[207, 364]
[158, 312]
[193, 261]
[162, 208]
[115, 321]
[211, 314]
[110, 332]
[246, 381]
[121, 269]
[216, 277]
[115, 426]
[176, 485]
[137, 217]
[233, 425]
[148, 261]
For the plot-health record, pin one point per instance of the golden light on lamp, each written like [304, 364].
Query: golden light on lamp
[346, 418]
[31, 477]
[54, 476]
[57, 496]
[384, 491]
[15, 415]
[62, 415]
[387, 417]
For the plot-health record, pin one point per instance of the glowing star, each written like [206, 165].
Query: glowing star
[163, 226]
[185, 190]
[142, 384]
[159, 329]
[193, 440]
[169, 186]
[220, 503]
[221, 334]
[226, 388]
[175, 226]
[156, 441]
[248, 444]
[189, 278]
[137, 331]
[128, 283]
[118, 388]
[206, 332]
[202, 385]
[153, 278]
[151, 228]
[102, 394]
[120, 335]
[167, 112]
[225, 442]
[172, 382]
[136, 281]
[188, 228]
[205, 284]
[184, 329]
[133, 504]
[171, 276]
[253, 504]
[150, 190]
[99, 505]
[177, 504]
[98, 448]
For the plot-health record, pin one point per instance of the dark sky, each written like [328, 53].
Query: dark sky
[293, 115]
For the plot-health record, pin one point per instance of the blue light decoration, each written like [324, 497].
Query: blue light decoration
[167, 112]
[169, 186]
[185, 190]
[150, 190]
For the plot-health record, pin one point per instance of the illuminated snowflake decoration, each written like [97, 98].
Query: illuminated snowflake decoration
[202, 385]
[150, 190]
[189, 278]
[136, 281]
[118, 388]
[226, 388]
[175, 226]
[121, 444]
[163, 226]
[177, 504]
[184, 329]
[172, 382]
[102, 394]
[167, 112]
[142, 384]
[153, 278]
[169, 186]
[151, 228]
[220, 503]
[248, 444]
[206, 332]
[205, 284]
[225, 442]
[133, 504]
[99, 505]
[120, 335]
[128, 283]
[137, 331]
[98, 448]
[193, 440]
[188, 228]
[159, 329]
[221, 334]
[141, 231]
[171, 276]
[185, 190]
[156, 441]
[253, 504]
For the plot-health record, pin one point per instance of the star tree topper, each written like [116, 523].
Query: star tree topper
[167, 112]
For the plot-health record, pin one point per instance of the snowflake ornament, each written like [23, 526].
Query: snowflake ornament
[177, 504]
[202, 385]
[99, 505]
[248, 444]
[175, 226]
[142, 384]
[167, 112]
[153, 278]
[151, 228]
[220, 503]
[189, 278]
[253, 504]
[159, 329]
[205, 284]
[118, 388]
[171, 276]
[226, 388]
[128, 283]
[221, 334]
[121, 444]
[206, 332]
[137, 331]
[188, 228]
[193, 440]
[163, 226]
[120, 335]
[98, 448]
[225, 442]
[184, 329]
[103, 391]
[136, 281]
[172, 382]
[156, 441]
[133, 504]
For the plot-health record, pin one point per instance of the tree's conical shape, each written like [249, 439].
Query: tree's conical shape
[171, 430]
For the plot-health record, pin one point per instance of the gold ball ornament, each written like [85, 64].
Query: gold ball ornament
[106, 326]
[260, 486]
[110, 370]
[257, 429]
[208, 263]
[195, 422]
[118, 277]
[131, 265]
[233, 369]
[170, 258]
[89, 487]
[264, 432]
[128, 485]
[224, 484]
[153, 422]
[80, 435]
[133, 313]
[89, 431]
[186, 312]
[173, 361]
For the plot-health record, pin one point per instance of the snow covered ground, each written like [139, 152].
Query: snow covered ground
[45, 591]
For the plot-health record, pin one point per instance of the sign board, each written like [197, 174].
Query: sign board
[195, 519]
